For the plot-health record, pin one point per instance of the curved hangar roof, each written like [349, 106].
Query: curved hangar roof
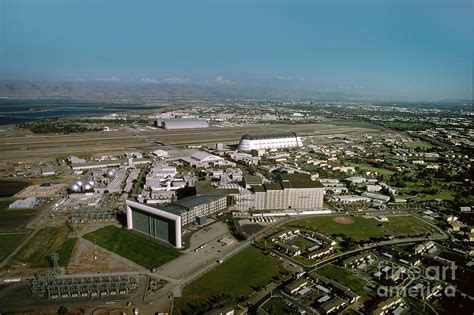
[269, 136]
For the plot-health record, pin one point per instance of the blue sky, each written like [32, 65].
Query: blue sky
[415, 49]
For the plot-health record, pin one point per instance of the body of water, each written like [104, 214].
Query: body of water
[18, 111]
[9, 187]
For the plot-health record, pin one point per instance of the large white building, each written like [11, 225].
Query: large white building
[181, 123]
[274, 141]
[292, 191]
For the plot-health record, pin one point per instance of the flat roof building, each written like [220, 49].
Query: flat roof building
[291, 191]
[181, 123]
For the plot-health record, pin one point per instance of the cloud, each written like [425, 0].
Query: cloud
[221, 80]
[108, 79]
[175, 80]
[148, 80]
[283, 78]
[351, 87]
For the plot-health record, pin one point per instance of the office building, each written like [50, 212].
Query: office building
[164, 222]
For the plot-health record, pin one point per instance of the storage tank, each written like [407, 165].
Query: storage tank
[110, 173]
[75, 188]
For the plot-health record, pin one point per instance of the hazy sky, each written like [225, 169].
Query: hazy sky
[417, 49]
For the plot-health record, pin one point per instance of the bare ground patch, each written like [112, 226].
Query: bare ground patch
[343, 220]
[89, 258]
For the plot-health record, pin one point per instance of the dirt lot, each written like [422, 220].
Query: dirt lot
[89, 258]
[41, 192]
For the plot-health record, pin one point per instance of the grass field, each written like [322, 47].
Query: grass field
[235, 277]
[131, 246]
[445, 195]
[353, 123]
[13, 219]
[408, 225]
[370, 168]
[8, 242]
[345, 277]
[277, 306]
[419, 144]
[37, 252]
[360, 228]
[415, 190]
[301, 242]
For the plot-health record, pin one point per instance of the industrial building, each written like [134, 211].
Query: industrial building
[204, 159]
[165, 221]
[291, 191]
[181, 123]
[273, 141]
[29, 202]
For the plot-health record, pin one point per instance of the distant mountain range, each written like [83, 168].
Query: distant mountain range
[161, 90]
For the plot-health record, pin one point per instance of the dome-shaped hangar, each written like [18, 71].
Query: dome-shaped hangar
[250, 142]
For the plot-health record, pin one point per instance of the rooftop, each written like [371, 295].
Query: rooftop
[194, 201]
[269, 136]
[300, 181]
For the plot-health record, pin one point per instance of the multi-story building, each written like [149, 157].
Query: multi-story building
[292, 191]
[274, 141]
[198, 206]
[164, 222]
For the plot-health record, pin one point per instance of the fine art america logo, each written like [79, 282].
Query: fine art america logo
[414, 281]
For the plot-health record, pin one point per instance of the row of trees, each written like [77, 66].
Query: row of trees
[48, 127]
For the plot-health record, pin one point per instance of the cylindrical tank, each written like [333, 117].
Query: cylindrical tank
[110, 173]
[87, 187]
[79, 183]
[75, 187]
[91, 182]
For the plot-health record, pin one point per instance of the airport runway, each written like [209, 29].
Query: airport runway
[18, 146]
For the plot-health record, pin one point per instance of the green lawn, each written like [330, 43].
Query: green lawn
[234, 278]
[416, 190]
[445, 195]
[345, 277]
[12, 219]
[131, 246]
[370, 168]
[37, 252]
[419, 144]
[360, 228]
[277, 306]
[408, 225]
[8, 243]
[301, 243]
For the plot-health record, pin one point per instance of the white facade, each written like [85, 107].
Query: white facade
[158, 213]
[182, 123]
[277, 141]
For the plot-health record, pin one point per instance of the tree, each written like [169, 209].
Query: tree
[63, 311]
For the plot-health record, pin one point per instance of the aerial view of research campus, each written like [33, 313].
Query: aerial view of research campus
[234, 157]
